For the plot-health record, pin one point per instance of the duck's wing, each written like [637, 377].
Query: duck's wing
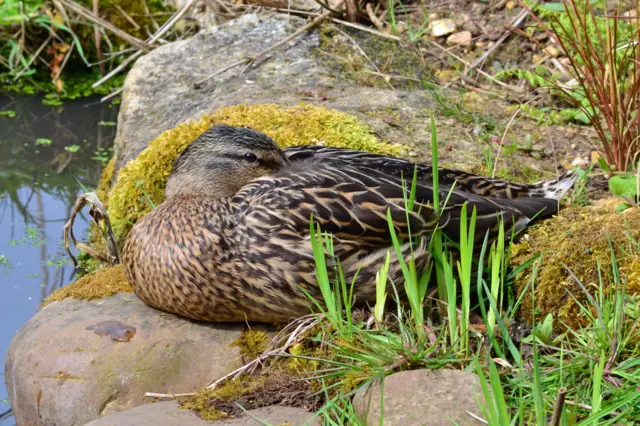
[352, 203]
[478, 185]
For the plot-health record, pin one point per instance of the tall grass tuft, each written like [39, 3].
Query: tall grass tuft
[604, 53]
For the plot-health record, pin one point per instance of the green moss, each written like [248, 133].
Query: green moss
[105, 181]
[251, 343]
[578, 239]
[206, 401]
[146, 176]
[103, 283]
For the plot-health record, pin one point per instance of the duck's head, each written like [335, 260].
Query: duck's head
[221, 161]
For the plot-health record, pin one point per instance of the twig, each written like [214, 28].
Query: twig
[126, 16]
[557, 409]
[478, 418]
[367, 29]
[33, 58]
[393, 76]
[251, 59]
[150, 15]
[516, 23]
[170, 23]
[98, 39]
[488, 76]
[588, 407]
[376, 21]
[167, 395]
[112, 95]
[363, 53]
[105, 24]
[504, 135]
[352, 10]
[119, 68]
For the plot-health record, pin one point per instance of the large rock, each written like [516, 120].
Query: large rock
[422, 397]
[78, 360]
[169, 414]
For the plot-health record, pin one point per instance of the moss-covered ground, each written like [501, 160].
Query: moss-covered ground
[102, 283]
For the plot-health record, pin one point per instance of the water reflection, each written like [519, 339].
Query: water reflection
[47, 156]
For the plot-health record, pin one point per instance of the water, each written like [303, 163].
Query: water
[46, 155]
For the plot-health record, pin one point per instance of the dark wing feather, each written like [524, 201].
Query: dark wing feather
[478, 185]
[352, 203]
[345, 201]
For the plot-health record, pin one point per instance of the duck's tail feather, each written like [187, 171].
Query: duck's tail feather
[554, 188]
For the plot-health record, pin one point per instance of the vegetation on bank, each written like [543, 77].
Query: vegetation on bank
[59, 49]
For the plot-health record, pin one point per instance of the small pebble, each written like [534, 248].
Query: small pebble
[442, 27]
[552, 51]
[463, 38]
[579, 162]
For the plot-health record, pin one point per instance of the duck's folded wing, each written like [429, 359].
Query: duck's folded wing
[343, 201]
[352, 203]
[397, 167]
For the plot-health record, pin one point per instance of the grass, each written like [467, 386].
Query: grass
[46, 46]
[603, 51]
[584, 376]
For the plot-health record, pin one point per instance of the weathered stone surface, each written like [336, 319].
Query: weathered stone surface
[169, 414]
[78, 360]
[422, 397]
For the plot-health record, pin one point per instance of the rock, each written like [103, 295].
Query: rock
[77, 360]
[579, 162]
[463, 38]
[551, 50]
[442, 27]
[422, 397]
[170, 414]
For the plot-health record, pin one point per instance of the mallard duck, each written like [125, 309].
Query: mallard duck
[231, 242]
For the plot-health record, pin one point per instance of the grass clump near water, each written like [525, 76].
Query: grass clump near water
[578, 248]
[140, 184]
[102, 283]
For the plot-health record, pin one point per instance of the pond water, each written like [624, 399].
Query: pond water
[48, 154]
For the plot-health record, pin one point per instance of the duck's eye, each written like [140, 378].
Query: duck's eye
[250, 157]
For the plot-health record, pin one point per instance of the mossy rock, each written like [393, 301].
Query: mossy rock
[578, 238]
[102, 283]
[141, 182]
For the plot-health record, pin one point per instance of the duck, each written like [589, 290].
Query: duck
[232, 240]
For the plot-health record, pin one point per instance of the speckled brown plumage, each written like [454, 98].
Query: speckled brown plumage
[231, 242]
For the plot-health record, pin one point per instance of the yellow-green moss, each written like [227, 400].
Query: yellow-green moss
[231, 390]
[577, 238]
[251, 343]
[105, 181]
[289, 126]
[103, 283]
